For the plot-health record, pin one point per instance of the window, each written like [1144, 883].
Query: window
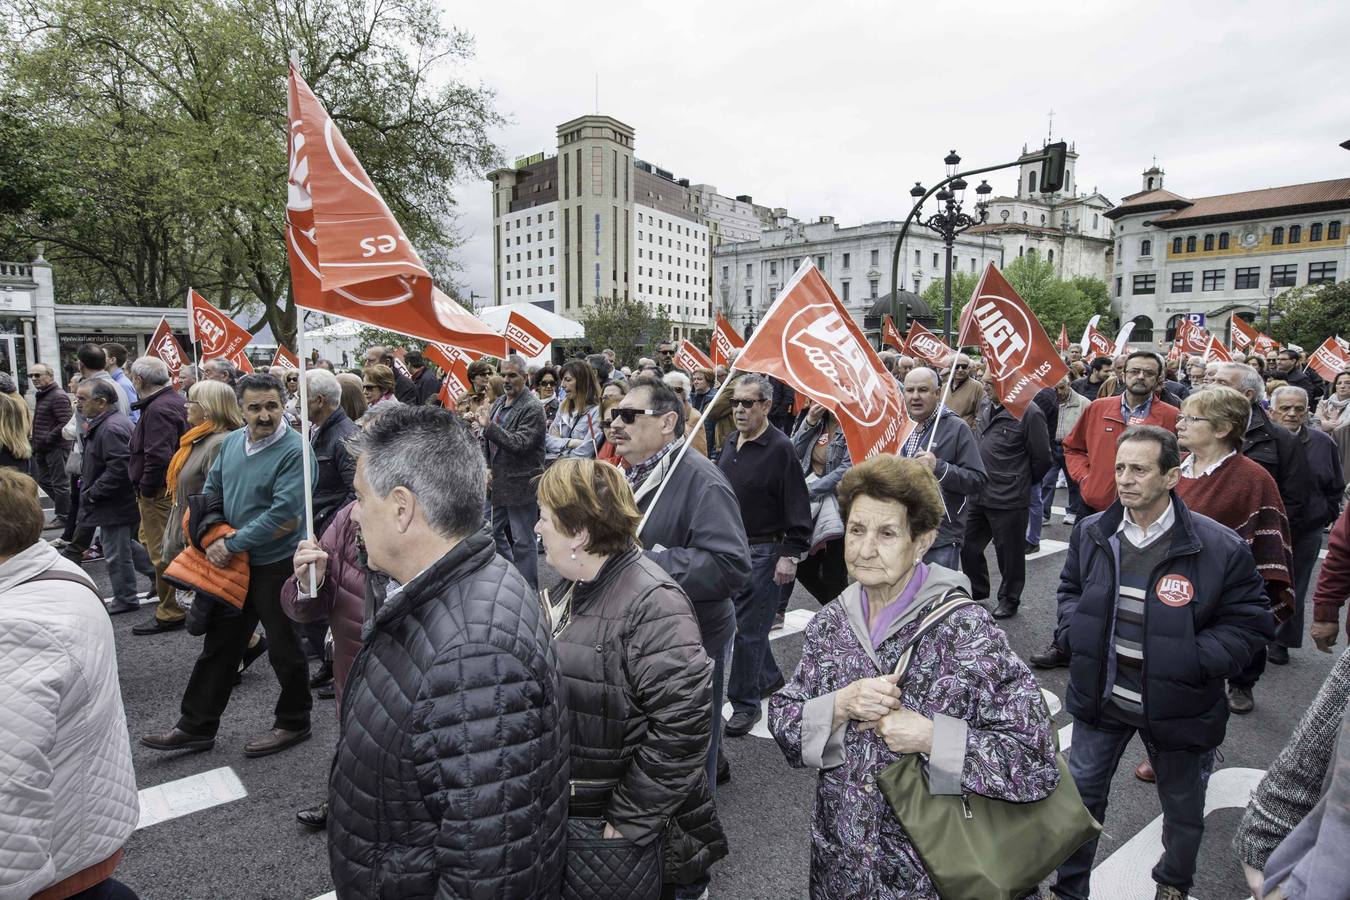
[1223, 240]
[1050, 255]
[1031, 182]
[1176, 245]
[1145, 284]
[1277, 235]
[748, 301]
[796, 263]
[1190, 243]
[820, 263]
[1145, 247]
[1209, 242]
[1334, 231]
[1212, 280]
[1315, 231]
[1024, 217]
[773, 268]
[1183, 282]
[846, 260]
[875, 257]
[918, 257]
[844, 288]
[1143, 329]
[1246, 279]
[726, 270]
[973, 264]
[872, 288]
[749, 271]
[1295, 234]
[1094, 221]
[1283, 276]
[1321, 272]
[1118, 281]
[935, 260]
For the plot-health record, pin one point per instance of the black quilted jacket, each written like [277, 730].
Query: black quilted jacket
[451, 772]
[639, 688]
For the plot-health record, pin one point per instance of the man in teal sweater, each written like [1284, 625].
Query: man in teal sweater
[259, 479]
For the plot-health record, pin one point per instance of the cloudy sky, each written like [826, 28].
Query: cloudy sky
[838, 108]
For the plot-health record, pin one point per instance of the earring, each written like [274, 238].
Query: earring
[574, 554]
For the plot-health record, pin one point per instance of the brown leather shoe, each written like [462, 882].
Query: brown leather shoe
[175, 739]
[1144, 772]
[275, 741]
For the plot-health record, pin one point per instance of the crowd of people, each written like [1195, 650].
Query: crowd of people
[503, 737]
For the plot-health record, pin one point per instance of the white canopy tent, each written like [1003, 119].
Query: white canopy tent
[550, 323]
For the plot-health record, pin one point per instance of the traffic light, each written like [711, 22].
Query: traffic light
[1052, 167]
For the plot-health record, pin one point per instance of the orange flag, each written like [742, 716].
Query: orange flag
[219, 335]
[1062, 344]
[1329, 360]
[1217, 351]
[165, 346]
[688, 357]
[524, 335]
[1193, 339]
[348, 255]
[890, 335]
[1244, 335]
[285, 358]
[455, 363]
[1099, 344]
[240, 361]
[1019, 356]
[808, 340]
[724, 340]
[923, 345]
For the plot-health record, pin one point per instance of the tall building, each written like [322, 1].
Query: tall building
[1068, 227]
[594, 221]
[1213, 258]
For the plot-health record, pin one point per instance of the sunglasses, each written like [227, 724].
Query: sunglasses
[629, 416]
[962, 368]
[547, 383]
[370, 387]
[745, 404]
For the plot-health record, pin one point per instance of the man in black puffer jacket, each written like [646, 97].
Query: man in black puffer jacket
[451, 772]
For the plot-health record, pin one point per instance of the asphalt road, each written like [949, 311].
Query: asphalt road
[243, 841]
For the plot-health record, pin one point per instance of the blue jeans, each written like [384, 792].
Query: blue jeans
[1182, 777]
[948, 556]
[1035, 507]
[753, 667]
[125, 557]
[520, 548]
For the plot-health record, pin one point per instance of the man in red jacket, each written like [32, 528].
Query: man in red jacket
[1090, 449]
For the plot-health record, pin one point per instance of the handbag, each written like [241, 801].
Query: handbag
[600, 868]
[975, 847]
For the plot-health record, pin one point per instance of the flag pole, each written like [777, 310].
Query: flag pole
[946, 391]
[306, 464]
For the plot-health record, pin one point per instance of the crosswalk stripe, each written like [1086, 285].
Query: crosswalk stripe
[1048, 548]
[189, 795]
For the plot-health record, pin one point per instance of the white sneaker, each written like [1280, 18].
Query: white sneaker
[1070, 518]
[58, 543]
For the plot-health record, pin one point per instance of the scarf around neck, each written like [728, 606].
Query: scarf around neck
[180, 456]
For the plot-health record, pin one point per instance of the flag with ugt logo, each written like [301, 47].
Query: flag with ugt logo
[689, 358]
[1020, 359]
[891, 335]
[219, 335]
[923, 345]
[1193, 339]
[1099, 344]
[808, 340]
[165, 346]
[725, 339]
[348, 255]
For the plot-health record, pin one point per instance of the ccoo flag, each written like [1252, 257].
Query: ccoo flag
[348, 255]
[724, 341]
[689, 358]
[808, 340]
[1019, 355]
[455, 363]
[891, 335]
[1329, 360]
[525, 335]
[923, 344]
[286, 359]
[219, 335]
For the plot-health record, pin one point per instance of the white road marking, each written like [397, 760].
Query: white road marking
[761, 729]
[142, 600]
[1049, 548]
[331, 895]
[796, 620]
[1125, 874]
[189, 795]
[1052, 700]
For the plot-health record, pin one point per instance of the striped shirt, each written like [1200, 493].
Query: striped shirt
[1136, 569]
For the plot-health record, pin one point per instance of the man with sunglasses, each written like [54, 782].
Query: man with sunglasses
[967, 392]
[761, 465]
[694, 532]
[513, 432]
[665, 355]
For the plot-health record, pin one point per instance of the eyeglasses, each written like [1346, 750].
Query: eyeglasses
[628, 415]
[370, 387]
[1191, 420]
[745, 404]
[1138, 373]
[547, 383]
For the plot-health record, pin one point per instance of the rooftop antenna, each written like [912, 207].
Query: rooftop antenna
[1050, 129]
[597, 93]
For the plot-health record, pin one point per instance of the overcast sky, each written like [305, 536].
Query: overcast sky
[838, 108]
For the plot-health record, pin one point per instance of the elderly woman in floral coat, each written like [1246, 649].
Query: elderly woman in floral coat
[967, 702]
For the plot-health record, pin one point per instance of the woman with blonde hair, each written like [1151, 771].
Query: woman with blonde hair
[353, 400]
[15, 424]
[378, 386]
[630, 652]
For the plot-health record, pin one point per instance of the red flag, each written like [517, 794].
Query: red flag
[1216, 351]
[165, 346]
[1099, 344]
[1174, 352]
[219, 335]
[1244, 335]
[524, 335]
[1062, 344]
[889, 334]
[923, 345]
[455, 363]
[1192, 338]
[1019, 356]
[1329, 360]
[808, 340]
[241, 362]
[1266, 344]
[724, 340]
[688, 357]
[285, 358]
[348, 255]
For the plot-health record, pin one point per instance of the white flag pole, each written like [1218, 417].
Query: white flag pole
[946, 391]
[192, 334]
[307, 465]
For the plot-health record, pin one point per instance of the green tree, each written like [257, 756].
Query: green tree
[1308, 315]
[160, 130]
[963, 286]
[630, 328]
[1054, 301]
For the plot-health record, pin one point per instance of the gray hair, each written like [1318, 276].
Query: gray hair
[516, 362]
[907, 359]
[676, 380]
[323, 384]
[933, 376]
[396, 446]
[194, 371]
[1288, 389]
[1248, 379]
[151, 370]
[103, 389]
[759, 382]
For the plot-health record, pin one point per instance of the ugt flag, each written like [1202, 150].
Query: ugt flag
[219, 335]
[1019, 356]
[891, 335]
[808, 340]
[724, 340]
[165, 346]
[1099, 344]
[923, 345]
